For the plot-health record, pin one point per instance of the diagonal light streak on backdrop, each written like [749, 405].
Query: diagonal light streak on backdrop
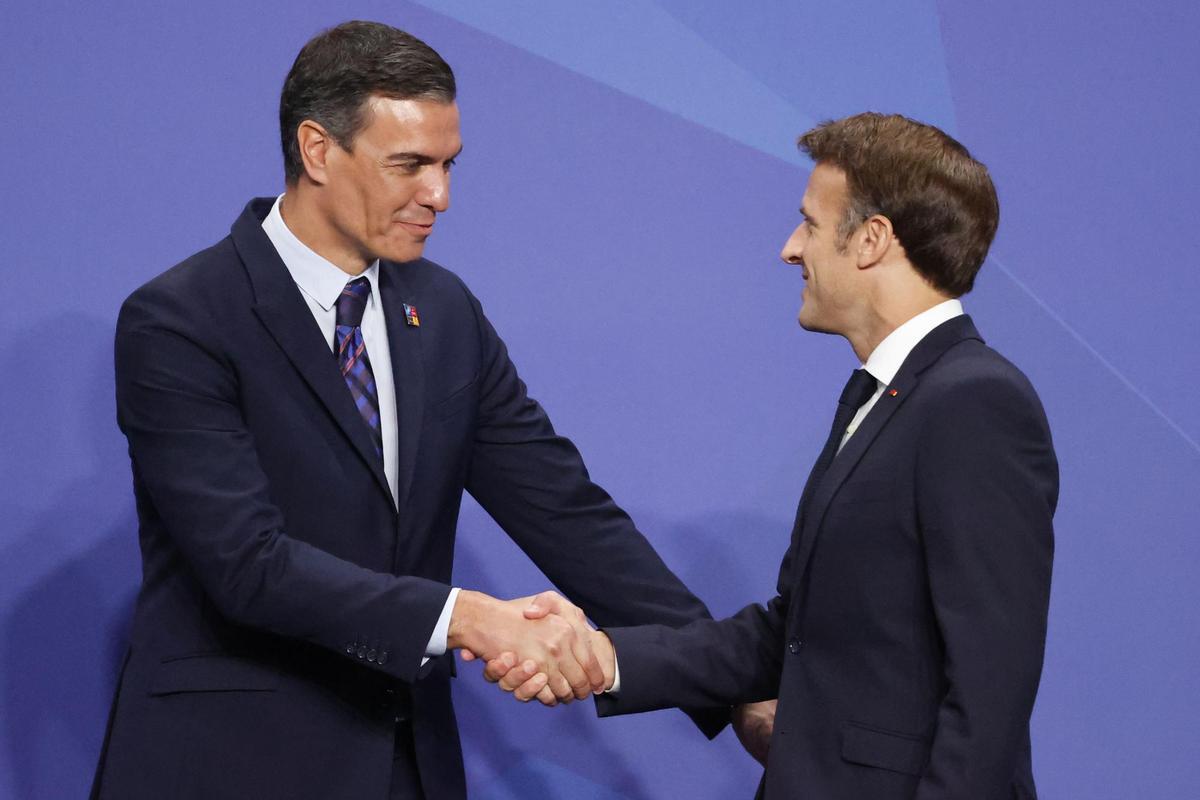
[820, 56]
[1096, 354]
[620, 43]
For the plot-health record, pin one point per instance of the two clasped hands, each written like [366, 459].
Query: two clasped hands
[535, 647]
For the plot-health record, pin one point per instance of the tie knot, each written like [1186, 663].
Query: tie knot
[858, 389]
[353, 302]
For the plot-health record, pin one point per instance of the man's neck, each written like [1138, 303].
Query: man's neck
[307, 224]
[879, 321]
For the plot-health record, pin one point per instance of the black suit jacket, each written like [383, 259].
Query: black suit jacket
[906, 637]
[286, 599]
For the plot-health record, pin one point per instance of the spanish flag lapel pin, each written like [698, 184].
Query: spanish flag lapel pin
[411, 318]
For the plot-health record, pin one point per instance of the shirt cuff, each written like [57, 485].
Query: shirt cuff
[437, 640]
[616, 687]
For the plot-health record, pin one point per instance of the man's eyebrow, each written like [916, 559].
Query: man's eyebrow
[420, 159]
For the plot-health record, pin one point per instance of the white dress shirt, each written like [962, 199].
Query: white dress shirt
[885, 360]
[321, 283]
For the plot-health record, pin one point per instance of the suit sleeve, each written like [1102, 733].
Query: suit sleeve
[177, 401]
[987, 484]
[534, 484]
[705, 663]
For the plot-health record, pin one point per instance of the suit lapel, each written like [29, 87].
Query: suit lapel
[408, 369]
[283, 312]
[927, 351]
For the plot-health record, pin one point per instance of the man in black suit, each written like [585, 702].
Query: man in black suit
[305, 402]
[906, 636]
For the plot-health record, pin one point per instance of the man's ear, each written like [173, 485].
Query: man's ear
[875, 239]
[315, 147]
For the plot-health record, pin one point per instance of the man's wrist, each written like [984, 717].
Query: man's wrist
[470, 608]
[608, 653]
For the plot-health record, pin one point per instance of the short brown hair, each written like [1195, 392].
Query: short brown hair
[941, 202]
[338, 70]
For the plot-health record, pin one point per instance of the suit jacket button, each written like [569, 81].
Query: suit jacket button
[371, 655]
[350, 649]
[794, 645]
[362, 651]
[383, 657]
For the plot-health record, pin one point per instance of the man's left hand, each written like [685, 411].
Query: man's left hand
[754, 723]
[524, 680]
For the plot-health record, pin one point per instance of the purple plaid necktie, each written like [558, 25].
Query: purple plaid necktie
[352, 355]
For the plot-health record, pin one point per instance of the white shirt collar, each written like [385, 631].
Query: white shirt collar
[316, 276]
[885, 360]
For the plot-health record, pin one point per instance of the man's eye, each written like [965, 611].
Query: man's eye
[449, 164]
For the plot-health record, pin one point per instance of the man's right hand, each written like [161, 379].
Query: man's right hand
[562, 663]
[522, 679]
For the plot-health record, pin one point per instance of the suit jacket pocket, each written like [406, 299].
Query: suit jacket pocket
[872, 747]
[212, 672]
[456, 402]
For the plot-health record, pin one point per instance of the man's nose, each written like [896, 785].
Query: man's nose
[793, 249]
[435, 192]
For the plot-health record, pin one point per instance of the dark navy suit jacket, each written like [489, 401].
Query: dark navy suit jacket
[286, 601]
[906, 637]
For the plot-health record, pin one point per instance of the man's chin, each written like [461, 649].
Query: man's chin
[407, 252]
[809, 324]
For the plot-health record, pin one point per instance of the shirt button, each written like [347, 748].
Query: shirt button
[794, 646]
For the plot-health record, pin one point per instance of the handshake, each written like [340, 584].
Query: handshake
[535, 647]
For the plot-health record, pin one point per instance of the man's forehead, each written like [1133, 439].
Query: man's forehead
[826, 188]
[422, 123]
[410, 109]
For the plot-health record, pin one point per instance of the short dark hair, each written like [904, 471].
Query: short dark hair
[940, 200]
[338, 70]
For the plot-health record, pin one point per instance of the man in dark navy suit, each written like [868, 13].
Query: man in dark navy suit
[305, 403]
[906, 635]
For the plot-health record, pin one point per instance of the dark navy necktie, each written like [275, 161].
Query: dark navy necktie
[858, 390]
[352, 355]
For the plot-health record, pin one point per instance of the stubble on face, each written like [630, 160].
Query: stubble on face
[820, 250]
[388, 189]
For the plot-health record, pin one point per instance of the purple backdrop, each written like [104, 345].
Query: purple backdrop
[628, 179]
